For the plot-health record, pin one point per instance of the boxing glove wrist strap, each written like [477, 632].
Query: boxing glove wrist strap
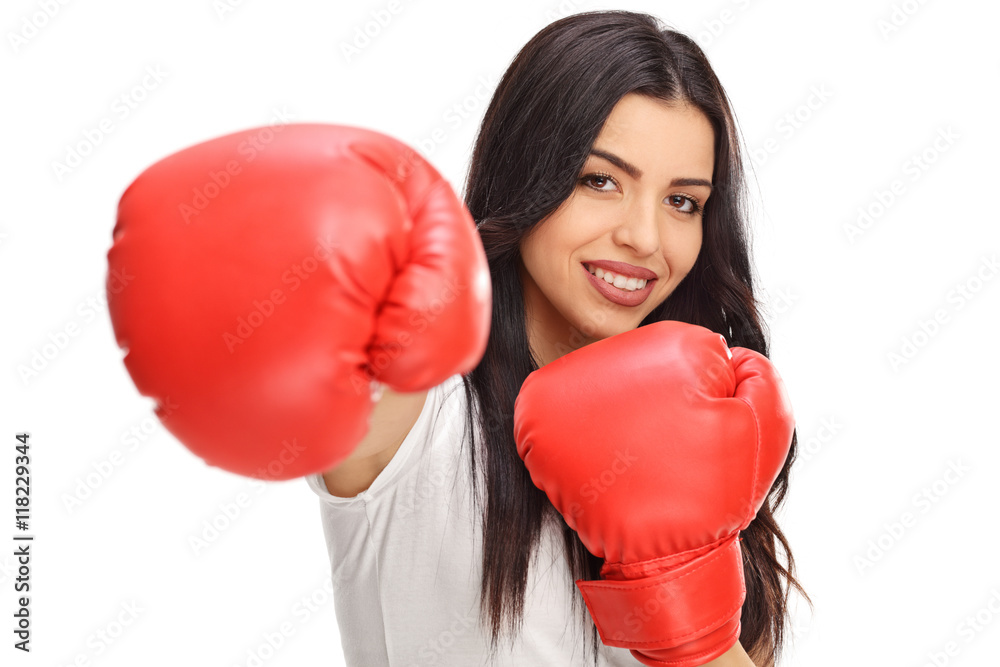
[674, 608]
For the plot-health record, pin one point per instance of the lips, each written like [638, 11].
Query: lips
[619, 281]
[623, 269]
[619, 296]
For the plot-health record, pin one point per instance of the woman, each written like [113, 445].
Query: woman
[275, 273]
[439, 562]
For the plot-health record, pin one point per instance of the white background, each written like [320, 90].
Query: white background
[894, 574]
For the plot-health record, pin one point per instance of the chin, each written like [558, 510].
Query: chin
[611, 327]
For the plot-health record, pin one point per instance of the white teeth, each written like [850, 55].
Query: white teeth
[621, 282]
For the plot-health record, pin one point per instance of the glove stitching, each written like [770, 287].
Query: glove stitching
[608, 585]
[625, 643]
[697, 551]
[751, 512]
[719, 552]
[686, 659]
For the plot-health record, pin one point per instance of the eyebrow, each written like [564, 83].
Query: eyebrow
[636, 173]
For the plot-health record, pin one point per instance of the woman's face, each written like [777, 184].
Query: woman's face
[636, 212]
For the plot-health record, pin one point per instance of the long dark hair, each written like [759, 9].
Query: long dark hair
[545, 115]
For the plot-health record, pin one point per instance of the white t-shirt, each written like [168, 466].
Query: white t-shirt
[406, 562]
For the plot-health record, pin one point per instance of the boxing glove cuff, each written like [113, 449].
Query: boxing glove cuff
[674, 609]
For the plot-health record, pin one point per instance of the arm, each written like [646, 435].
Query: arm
[392, 418]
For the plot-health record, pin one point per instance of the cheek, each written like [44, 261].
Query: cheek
[683, 249]
[533, 252]
[554, 248]
[539, 255]
[695, 249]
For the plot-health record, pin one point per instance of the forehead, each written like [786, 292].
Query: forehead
[659, 136]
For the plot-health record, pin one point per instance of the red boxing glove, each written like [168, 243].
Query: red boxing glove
[261, 281]
[657, 447]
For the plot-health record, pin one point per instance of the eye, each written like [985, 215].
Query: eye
[685, 204]
[599, 181]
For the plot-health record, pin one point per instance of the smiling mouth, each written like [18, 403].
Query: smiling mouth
[621, 282]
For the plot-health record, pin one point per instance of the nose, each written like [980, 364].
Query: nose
[638, 228]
